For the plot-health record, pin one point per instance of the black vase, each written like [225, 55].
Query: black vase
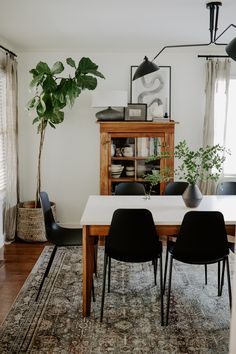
[192, 196]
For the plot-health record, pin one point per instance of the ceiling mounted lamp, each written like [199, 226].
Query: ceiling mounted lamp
[148, 67]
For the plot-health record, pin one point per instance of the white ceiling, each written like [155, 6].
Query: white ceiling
[108, 25]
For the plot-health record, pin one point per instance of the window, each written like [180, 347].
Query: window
[229, 128]
[2, 131]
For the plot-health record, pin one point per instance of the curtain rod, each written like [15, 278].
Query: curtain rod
[212, 56]
[8, 51]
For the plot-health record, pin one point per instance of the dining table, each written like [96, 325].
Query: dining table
[167, 212]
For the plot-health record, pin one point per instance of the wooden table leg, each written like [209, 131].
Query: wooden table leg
[88, 265]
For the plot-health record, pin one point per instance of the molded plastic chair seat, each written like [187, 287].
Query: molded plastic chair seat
[132, 238]
[202, 239]
[175, 188]
[59, 236]
[65, 236]
[130, 188]
[226, 188]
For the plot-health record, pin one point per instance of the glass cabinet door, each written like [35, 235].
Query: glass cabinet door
[125, 150]
[129, 160]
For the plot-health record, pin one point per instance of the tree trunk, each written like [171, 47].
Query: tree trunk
[42, 135]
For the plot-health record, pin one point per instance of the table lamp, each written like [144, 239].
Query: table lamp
[110, 98]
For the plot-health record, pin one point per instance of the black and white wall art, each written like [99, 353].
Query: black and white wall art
[155, 90]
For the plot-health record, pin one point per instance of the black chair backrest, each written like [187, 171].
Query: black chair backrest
[132, 236]
[175, 188]
[130, 188]
[202, 238]
[226, 188]
[47, 213]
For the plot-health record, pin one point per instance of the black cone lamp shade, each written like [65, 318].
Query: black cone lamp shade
[231, 49]
[147, 67]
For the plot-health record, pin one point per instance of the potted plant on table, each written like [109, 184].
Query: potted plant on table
[53, 92]
[195, 166]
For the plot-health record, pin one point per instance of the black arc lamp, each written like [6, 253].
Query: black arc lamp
[231, 49]
[147, 66]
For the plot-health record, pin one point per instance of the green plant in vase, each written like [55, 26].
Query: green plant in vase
[200, 165]
[205, 163]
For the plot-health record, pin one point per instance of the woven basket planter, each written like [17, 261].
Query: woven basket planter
[30, 223]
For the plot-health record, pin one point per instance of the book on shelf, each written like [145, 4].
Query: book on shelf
[148, 146]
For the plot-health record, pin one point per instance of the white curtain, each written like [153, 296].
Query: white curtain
[11, 149]
[217, 76]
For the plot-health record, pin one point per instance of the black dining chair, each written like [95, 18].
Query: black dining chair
[202, 239]
[132, 238]
[178, 188]
[130, 188]
[57, 235]
[175, 188]
[226, 188]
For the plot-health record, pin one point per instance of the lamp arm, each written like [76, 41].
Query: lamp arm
[181, 46]
[231, 25]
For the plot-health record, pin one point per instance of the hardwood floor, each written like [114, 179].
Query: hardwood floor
[16, 262]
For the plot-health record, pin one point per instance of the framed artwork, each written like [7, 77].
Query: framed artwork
[155, 90]
[136, 111]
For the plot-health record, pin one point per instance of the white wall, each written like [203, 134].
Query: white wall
[71, 152]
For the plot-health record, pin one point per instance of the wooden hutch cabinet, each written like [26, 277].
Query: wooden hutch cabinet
[125, 148]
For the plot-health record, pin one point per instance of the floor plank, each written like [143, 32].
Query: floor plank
[16, 262]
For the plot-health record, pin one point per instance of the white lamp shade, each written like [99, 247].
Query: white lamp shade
[111, 98]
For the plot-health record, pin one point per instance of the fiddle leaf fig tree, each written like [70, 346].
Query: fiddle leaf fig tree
[53, 92]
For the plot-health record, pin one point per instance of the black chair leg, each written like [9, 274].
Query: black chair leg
[95, 259]
[165, 271]
[155, 263]
[161, 291]
[104, 285]
[169, 290]
[46, 271]
[93, 292]
[219, 280]
[229, 283]
[222, 278]
[109, 274]
[205, 266]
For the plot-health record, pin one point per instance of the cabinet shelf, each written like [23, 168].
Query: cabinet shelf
[146, 139]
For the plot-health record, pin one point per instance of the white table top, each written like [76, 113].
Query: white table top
[166, 210]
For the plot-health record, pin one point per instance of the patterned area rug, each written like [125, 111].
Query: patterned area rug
[198, 323]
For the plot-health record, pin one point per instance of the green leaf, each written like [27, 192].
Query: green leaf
[71, 62]
[87, 82]
[34, 72]
[96, 73]
[31, 103]
[49, 84]
[37, 80]
[57, 117]
[86, 65]
[36, 120]
[52, 125]
[41, 107]
[43, 68]
[57, 68]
